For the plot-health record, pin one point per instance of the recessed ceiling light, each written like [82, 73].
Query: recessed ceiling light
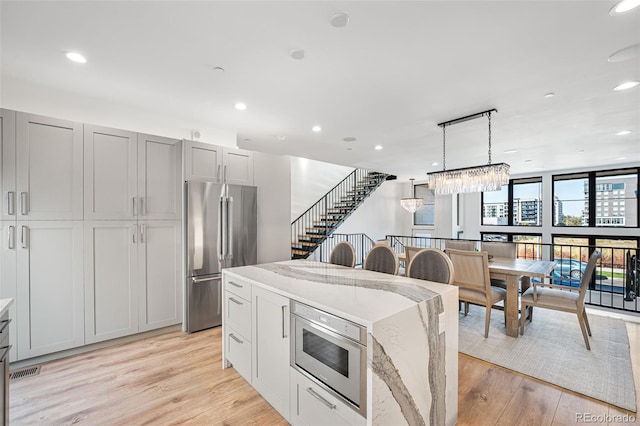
[625, 54]
[582, 150]
[626, 85]
[349, 139]
[339, 20]
[241, 106]
[623, 132]
[349, 149]
[527, 161]
[247, 140]
[623, 6]
[511, 151]
[549, 95]
[76, 57]
[297, 54]
[435, 163]
[218, 69]
[621, 158]
[377, 147]
[316, 129]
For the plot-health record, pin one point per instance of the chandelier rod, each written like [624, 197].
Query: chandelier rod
[467, 118]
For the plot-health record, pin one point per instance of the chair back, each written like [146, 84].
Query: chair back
[381, 258]
[496, 249]
[343, 254]
[409, 252]
[460, 245]
[471, 270]
[431, 264]
[588, 273]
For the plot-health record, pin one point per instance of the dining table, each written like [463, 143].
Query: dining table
[518, 274]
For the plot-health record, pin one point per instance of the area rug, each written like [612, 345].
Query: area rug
[552, 350]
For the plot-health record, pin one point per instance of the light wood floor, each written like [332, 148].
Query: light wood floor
[177, 378]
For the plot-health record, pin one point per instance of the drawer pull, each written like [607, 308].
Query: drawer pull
[234, 284]
[321, 399]
[4, 325]
[237, 302]
[233, 336]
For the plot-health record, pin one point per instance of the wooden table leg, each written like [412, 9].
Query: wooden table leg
[511, 305]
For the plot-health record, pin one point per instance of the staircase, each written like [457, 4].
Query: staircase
[320, 221]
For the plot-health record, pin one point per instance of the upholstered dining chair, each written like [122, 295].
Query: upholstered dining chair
[431, 264]
[559, 298]
[474, 285]
[343, 254]
[382, 258]
[460, 245]
[496, 249]
[409, 252]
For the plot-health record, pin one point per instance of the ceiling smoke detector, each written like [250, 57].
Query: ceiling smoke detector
[297, 54]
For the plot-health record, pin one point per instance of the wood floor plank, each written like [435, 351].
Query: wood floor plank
[533, 403]
[572, 404]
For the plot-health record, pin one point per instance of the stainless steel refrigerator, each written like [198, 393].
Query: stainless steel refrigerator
[221, 233]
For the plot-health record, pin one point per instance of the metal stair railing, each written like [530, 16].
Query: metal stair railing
[320, 220]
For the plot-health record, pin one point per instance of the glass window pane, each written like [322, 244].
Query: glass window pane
[527, 204]
[571, 202]
[528, 246]
[425, 215]
[495, 207]
[623, 189]
[494, 237]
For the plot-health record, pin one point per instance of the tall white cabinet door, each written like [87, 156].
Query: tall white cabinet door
[48, 168]
[203, 161]
[270, 337]
[110, 282]
[8, 287]
[110, 173]
[50, 301]
[238, 166]
[159, 178]
[160, 274]
[7, 164]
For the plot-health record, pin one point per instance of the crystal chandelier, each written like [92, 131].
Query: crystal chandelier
[489, 177]
[411, 204]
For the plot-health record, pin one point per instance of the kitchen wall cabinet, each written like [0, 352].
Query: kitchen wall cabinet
[50, 302]
[218, 164]
[48, 168]
[8, 287]
[7, 164]
[129, 175]
[270, 337]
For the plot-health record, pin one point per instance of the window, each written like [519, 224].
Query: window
[517, 204]
[583, 199]
[528, 246]
[425, 215]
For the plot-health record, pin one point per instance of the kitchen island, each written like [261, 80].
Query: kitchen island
[409, 327]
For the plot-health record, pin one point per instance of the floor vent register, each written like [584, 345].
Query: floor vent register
[24, 372]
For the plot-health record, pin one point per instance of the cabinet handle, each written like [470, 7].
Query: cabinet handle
[284, 333]
[143, 210]
[4, 354]
[24, 236]
[142, 233]
[11, 237]
[133, 234]
[321, 399]
[225, 173]
[24, 209]
[4, 325]
[11, 203]
[218, 173]
[237, 302]
[133, 206]
[234, 284]
[233, 336]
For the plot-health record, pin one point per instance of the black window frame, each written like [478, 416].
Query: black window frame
[511, 184]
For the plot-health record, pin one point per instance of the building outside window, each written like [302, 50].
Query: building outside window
[517, 204]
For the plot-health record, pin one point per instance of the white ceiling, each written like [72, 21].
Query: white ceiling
[387, 78]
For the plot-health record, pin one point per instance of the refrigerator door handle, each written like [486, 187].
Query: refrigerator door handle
[204, 280]
[229, 227]
[221, 235]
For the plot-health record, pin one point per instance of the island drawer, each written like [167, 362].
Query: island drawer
[238, 351]
[238, 286]
[237, 312]
[312, 405]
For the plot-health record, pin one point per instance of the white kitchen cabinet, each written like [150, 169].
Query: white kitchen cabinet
[237, 324]
[159, 178]
[8, 288]
[7, 165]
[160, 277]
[270, 337]
[50, 302]
[214, 163]
[110, 283]
[48, 168]
[110, 173]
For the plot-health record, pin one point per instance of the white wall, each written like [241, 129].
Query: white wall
[67, 105]
[310, 180]
[273, 178]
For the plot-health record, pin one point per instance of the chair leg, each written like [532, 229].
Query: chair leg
[486, 322]
[522, 318]
[586, 320]
[466, 308]
[583, 327]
